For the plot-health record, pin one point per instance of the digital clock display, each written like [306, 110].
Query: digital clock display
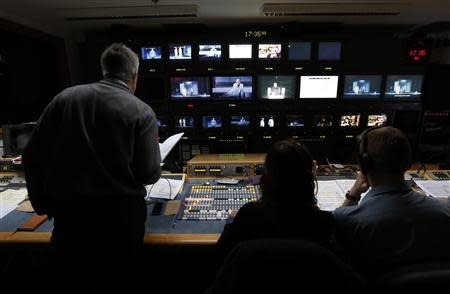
[255, 34]
[417, 52]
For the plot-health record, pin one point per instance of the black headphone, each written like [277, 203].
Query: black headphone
[364, 159]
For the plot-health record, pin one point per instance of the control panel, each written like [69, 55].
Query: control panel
[216, 202]
[225, 165]
[439, 175]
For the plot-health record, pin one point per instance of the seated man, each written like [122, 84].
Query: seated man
[392, 225]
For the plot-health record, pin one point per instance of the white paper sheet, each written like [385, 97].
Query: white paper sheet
[168, 145]
[10, 199]
[437, 189]
[329, 195]
[164, 189]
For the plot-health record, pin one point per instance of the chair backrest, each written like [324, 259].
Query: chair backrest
[431, 276]
[284, 266]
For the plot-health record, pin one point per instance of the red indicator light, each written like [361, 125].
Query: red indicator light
[190, 105]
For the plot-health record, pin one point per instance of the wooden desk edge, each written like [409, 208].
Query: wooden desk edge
[149, 239]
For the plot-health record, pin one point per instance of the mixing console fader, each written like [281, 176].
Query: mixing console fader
[216, 202]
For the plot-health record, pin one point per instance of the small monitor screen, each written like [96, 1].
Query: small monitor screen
[376, 120]
[148, 53]
[209, 52]
[180, 51]
[184, 122]
[365, 86]
[299, 51]
[232, 87]
[267, 121]
[243, 51]
[269, 51]
[295, 121]
[350, 120]
[330, 51]
[403, 86]
[210, 122]
[190, 88]
[240, 121]
[150, 89]
[276, 87]
[318, 86]
[323, 121]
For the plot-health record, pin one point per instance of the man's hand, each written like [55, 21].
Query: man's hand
[360, 186]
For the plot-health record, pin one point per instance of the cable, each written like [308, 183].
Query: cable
[147, 197]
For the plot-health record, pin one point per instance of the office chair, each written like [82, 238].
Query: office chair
[284, 266]
[431, 276]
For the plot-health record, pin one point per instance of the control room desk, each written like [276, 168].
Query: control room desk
[159, 230]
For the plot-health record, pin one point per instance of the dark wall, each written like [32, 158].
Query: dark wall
[34, 69]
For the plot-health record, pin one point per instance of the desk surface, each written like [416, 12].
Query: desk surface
[159, 230]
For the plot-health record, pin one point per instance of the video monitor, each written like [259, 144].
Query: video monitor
[350, 120]
[153, 52]
[269, 51]
[209, 52]
[364, 86]
[184, 122]
[323, 121]
[232, 87]
[403, 86]
[240, 121]
[211, 122]
[180, 51]
[377, 120]
[329, 51]
[276, 87]
[299, 51]
[190, 88]
[150, 89]
[267, 121]
[295, 121]
[318, 86]
[240, 51]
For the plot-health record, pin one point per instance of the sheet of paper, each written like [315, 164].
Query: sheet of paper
[5, 209]
[9, 199]
[346, 185]
[168, 145]
[329, 195]
[164, 189]
[437, 189]
[12, 196]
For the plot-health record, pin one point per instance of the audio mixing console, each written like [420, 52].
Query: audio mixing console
[216, 202]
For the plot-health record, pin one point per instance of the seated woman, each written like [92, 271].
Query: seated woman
[288, 206]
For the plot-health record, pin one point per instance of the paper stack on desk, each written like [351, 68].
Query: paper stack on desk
[331, 194]
[164, 189]
[437, 189]
[10, 199]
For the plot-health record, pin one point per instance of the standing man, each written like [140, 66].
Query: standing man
[86, 163]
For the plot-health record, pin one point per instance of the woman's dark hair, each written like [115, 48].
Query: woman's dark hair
[288, 176]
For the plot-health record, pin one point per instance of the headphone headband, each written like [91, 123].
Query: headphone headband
[365, 161]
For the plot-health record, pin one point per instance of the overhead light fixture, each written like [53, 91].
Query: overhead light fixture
[134, 12]
[334, 8]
